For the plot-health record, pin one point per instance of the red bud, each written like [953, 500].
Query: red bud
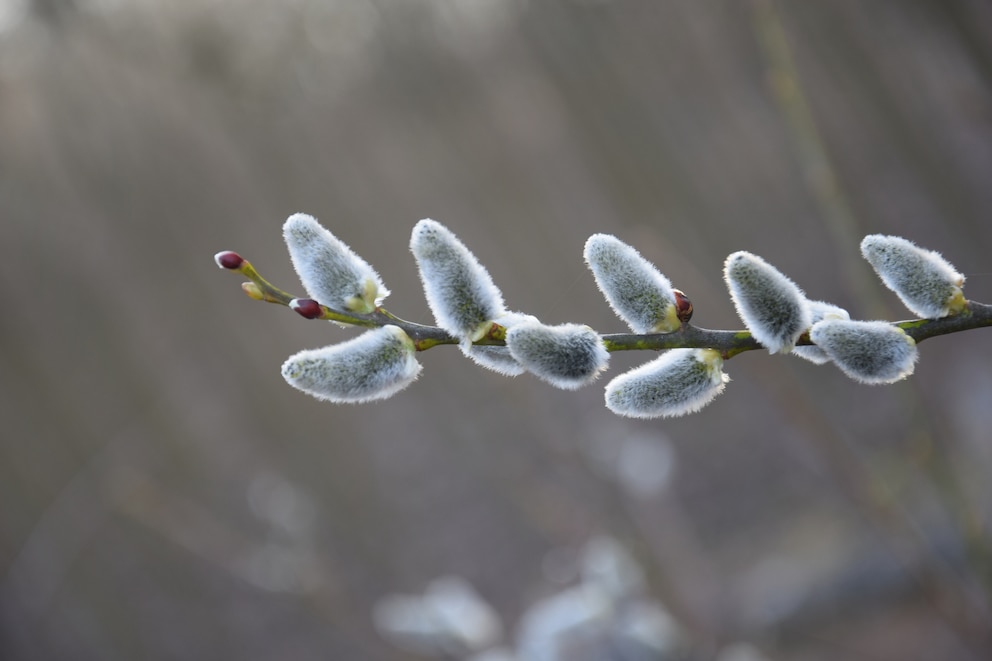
[306, 307]
[683, 306]
[229, 259]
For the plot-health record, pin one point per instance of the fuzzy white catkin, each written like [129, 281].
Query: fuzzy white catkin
[497, 358]
[820, 310]
[873, 352]
[567, 356]
[772, 307]
[375, 365]
[460, 292]
[923, 280]
[680, 381]
[330, 271]
[634, 288]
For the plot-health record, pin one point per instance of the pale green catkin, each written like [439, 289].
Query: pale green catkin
[459, 290]
[330, 271]
[375, 365]
[567, 356]
[923, 280]
[772, 307]
[679, 382]
[638, 293]
[873, 352]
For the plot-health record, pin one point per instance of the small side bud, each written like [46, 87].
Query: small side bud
[459, 290]
[228, 259]
[375, 365]
[924, 281]
[772, 307]
[820, 310]
[568, 356]
[681, 381]
[638, 293]
[872, 352]
[329, 270]
[683, 306]
[306, 308]
[254, 291]
[496, 358]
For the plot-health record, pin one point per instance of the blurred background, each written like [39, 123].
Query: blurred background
[165, 495]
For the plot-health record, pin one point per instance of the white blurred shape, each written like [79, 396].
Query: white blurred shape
[280, 568]
[645, 465]
[602, 450]
[410, 624]
[463, 613]
[12, 14]
[608, 566]
[450, 618]
[275, 500]
[546, 627]
[642, 464]
[647, 623]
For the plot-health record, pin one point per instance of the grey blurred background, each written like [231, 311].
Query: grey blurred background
[165, 495]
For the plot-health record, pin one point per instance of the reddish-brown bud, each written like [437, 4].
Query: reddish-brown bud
[228, 259]
[683, 306]
[306, 307]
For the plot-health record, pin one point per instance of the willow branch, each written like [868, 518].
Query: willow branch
[728, 342]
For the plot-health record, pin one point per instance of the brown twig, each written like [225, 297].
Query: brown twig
[728, 342]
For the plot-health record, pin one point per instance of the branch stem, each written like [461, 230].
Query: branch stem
[728, 342]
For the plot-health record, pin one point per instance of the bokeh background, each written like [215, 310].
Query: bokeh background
[165, 495]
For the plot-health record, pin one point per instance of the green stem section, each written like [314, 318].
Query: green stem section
[728, 343]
